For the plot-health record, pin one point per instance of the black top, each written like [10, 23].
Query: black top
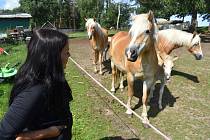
[30, 110]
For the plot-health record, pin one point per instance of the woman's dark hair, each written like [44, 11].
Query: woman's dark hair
[43, 63]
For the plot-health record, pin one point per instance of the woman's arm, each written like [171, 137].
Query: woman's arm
[22, 111]
[49, 132]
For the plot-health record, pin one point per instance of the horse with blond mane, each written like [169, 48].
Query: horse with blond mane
[171, 39]
[135, 53]
[167, 41]
[98, 37]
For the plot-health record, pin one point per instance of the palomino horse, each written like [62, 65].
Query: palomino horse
[167, 41]
[171, 39]
[165, 65]
[98, 37]
[138, 46]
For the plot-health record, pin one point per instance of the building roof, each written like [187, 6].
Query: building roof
[20, 15]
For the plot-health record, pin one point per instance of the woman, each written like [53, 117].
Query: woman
[39, 100]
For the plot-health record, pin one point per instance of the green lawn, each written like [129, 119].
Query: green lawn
[16, 54]
[84, 34]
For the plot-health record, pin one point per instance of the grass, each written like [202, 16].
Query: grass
[84, 34]
[86, 120]
[78, 35]
[17, 54]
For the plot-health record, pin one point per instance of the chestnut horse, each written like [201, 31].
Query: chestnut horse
[167, 41]
[165, 66]
[135, 54]
[171, 39]
[98, 37]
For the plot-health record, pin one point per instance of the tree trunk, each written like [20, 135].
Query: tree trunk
[118, 17]
[193, 21]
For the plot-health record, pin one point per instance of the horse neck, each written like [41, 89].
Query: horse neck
[98, 32]
[180, 39]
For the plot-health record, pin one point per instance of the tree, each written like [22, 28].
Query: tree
[90, 9]
[57, 12]
[167, 8]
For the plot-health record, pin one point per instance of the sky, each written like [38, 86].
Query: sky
[188, 18]
[10, 4]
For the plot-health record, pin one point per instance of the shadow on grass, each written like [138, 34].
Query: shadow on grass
[167, 100]
[107, 66]
[1, 93]
[186, 75]
[117, 138]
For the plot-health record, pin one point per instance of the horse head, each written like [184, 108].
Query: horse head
[168, 64]
[195, 47]
[143, 34]
[91, 26]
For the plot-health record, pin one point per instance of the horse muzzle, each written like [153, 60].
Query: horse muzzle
[198, 56]
[89, 37]
[131, 54]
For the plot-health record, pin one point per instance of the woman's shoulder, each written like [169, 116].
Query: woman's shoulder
[37, 90]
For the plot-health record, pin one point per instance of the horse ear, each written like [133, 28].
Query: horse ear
[150, 15]
[175, 58]
[94, 19]
[85, 18]
[194, 34]
[133, 17]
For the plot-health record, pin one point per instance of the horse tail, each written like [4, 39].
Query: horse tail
[107, 48]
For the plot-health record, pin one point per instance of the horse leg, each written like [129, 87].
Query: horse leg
[96, 53]
[130, 79]
[105, 52]
[146, 85]
[121, 81]
[100, 62]
[161, 93]
[151, 92]
[114, 70]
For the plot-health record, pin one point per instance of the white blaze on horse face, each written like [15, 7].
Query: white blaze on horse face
[90, 23]
[196, 47]
[142, 26]
[167, 67]
[89, 31]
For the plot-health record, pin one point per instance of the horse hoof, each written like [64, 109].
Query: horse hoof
[128, 112]
[95, 71]
[160, 107]
[121, 90]
[101, 73]
[113, 92]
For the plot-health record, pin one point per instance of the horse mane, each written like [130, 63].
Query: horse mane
[178, 37]
[141, 20]
[138, 21]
